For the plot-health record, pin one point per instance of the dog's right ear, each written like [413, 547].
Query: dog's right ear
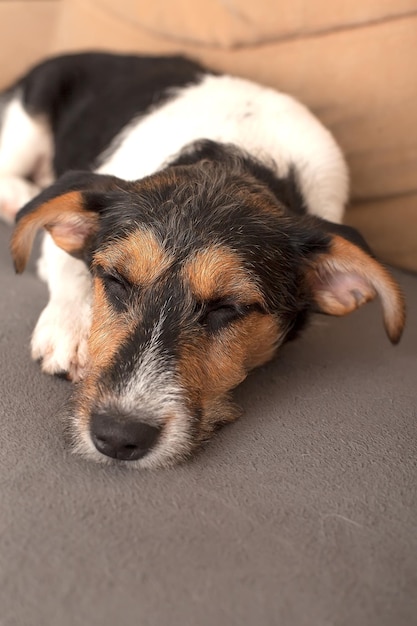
[68, 210]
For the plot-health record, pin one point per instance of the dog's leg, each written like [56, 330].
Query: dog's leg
[61, 334]
[26, 152]
[26, 149]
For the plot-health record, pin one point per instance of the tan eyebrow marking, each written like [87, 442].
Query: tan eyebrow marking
[139, 257]
[217, 272]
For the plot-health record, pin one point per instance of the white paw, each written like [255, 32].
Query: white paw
[60, 338]
[14, 193]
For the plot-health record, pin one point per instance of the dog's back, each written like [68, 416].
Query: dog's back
[128, 116]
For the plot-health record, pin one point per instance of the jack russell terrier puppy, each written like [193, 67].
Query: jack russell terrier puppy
[192, 227]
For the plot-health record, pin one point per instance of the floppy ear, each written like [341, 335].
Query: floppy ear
[67, 210]
[346, 276]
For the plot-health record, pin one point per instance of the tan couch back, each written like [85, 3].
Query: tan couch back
[26, 33]
[353, 63]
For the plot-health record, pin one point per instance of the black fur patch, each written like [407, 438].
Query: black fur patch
[285, 188]
[166, 299]
[89, 98]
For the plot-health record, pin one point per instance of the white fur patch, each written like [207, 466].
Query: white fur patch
[14, 193]
[26, 144]
[61, 333]
[26, 150]
[264, 122]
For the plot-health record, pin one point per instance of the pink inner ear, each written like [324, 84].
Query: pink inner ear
[71, 231]
[346, 277]
[339, 292]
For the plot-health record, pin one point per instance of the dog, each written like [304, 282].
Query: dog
[192, 227]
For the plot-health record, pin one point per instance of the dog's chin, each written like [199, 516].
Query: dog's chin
[177, 442]
[217, 414]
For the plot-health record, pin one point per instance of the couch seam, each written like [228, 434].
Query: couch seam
[321, 32]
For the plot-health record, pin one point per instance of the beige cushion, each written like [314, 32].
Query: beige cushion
[245, 22]
[26, 30]
[390, 225]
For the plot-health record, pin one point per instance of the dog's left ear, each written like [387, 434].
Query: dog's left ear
[69, 210]
[345, 276]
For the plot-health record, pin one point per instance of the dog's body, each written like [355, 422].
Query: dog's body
[166, 291]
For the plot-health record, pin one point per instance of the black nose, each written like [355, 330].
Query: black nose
[122, 437]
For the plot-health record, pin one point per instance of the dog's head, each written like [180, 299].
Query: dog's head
[199, 274]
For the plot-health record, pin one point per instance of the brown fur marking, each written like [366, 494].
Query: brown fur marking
[214, 365]
[139, 257]
[108, 331]
[217, 272]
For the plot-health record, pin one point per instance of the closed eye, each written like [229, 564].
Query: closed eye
[218, 314]
[118, 289]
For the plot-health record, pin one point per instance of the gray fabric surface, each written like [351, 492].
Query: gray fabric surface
[302, 513]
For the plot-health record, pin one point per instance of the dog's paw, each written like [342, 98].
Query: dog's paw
[60, 339]
[14, 193]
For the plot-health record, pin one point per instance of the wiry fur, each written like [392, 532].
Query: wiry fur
[205, 240]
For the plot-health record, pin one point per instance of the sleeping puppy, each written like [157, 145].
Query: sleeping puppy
[192, 227]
